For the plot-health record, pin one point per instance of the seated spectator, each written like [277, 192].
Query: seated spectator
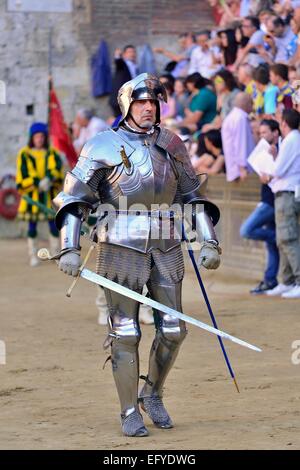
[264, 17]
[237, 138]
[285, 41]
[203, 58]
[168, 109]
[188, 140]
[228, 46]
[252, 53]
[202, 108]
[167, 78]
[279, 78]
[292, 75]
[217, 10]
[232, 12]
[211, 162]
[265, 102]
[295, 26]
[242, 42]
[180, 60]
[245, 80]
[181, 97]
[227, 90]
[85, 126]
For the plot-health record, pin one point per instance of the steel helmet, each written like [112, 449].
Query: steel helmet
[142, 87]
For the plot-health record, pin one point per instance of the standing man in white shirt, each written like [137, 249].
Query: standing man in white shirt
[283, 182]
[237, 138]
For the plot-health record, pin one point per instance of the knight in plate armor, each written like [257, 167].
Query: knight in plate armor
[139, 177]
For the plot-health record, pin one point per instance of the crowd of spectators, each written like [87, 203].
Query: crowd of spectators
[227, 88]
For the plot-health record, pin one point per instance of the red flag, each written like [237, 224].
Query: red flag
[58, 130]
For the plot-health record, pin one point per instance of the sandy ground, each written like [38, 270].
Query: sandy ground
[55, 395]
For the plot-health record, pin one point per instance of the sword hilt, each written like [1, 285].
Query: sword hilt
[44, 254]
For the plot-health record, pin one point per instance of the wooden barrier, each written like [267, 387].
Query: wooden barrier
[236, 201]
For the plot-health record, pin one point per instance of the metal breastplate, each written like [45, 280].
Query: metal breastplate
[149, 179]
[145, 179]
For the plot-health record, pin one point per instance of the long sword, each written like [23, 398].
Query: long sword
[108, 284]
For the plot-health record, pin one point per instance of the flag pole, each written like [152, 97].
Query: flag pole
[49, 74]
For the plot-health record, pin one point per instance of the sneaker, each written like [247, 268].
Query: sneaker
[133, 425]
[155, 409]
[292, 294]
[263, 287]
[280, 289]
[146, 315]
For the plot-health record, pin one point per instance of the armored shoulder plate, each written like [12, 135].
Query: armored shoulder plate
[105, 148]
[173, 144]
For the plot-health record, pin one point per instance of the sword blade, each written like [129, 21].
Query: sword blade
[104, 282]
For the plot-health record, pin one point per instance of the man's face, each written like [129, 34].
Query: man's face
[38, 140]
[202, 41]
[144, 113]
[273, 78]
[81, 121]
[248, 28]
[241, 75]
[130, 54]
[249, 105]
[284, 128]
[264, 18]
[266, 133]
[278, 31]
[259, 86]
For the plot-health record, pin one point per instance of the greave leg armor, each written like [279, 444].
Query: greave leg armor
[169, 336]
[124, 335]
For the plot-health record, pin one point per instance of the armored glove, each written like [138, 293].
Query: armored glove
[44, 184]
[69, 263]
[210, 255]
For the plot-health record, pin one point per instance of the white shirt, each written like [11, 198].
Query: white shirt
[237, 141]
[202, 62]
[282, 43]
[94, 126]
[287, 164]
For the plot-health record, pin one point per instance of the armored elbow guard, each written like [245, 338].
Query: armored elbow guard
[75, 194]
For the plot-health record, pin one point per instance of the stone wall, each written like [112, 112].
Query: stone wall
[24, 54]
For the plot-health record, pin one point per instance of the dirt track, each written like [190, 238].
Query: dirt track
[55, 395]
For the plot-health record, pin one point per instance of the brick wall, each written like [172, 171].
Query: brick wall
[24, 54]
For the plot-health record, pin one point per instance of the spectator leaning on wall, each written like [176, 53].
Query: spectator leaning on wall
[284, 183]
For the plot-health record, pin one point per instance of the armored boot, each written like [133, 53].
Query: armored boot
[124, 338]
[133, 425]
